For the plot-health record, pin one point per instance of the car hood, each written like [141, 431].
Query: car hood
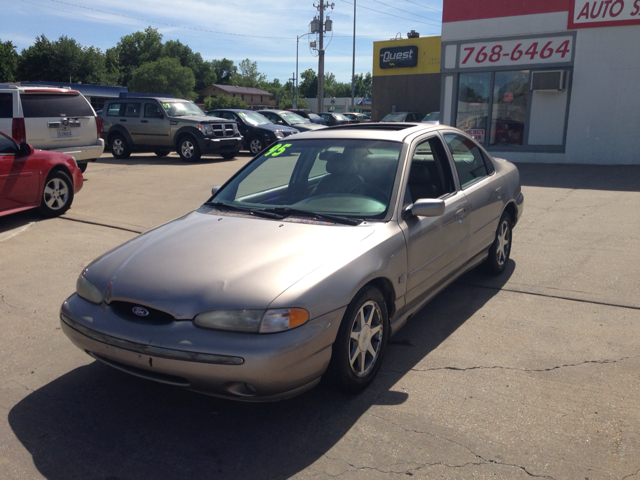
[308, 126]
[202, 118]
[272, 127]
[212, 260]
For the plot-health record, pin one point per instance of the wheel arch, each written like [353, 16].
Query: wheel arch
[122, 131]
[59, 168]
[388, 292]
[191, 131]
[512, 210]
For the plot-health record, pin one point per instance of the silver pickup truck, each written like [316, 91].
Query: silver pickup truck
[162, 125]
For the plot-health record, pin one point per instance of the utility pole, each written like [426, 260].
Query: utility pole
[353, 65]
[321, 61]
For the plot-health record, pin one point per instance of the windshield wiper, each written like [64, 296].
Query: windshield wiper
[260, 212]
[319, 216]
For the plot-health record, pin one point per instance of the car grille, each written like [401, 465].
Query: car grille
[223, 130]
[156, 317]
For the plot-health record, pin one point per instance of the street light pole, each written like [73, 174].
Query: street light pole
[296, 82]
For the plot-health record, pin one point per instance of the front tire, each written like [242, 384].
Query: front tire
[119, 147]
[57, 195]
[501, 249]
[188, 149]
[361, 342]
[256, 146]
[162, 153]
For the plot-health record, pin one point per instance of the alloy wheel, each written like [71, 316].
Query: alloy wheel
[504, 242]
[117, 147]
[56, 194]
[366, 338]
[187, 149]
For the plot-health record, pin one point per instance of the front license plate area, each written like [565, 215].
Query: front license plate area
[64, 133]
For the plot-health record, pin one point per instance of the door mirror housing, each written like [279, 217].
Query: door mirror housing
[25, 149]
[427, 207]
[215, 189]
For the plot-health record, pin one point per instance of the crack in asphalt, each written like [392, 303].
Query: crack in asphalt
[631, 475]
[5, 302]
[500, 367]
[420, 466]
[546, 295]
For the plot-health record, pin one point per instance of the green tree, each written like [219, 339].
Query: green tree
[309, 86]
[203, 71]
[64, 60]
[8, 61]
[363, 84]
[249, 75]
[165, 76]
[225, 71]
[135, 49]
[222, 101]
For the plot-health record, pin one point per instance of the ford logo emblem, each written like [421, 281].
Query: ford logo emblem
[139, 311]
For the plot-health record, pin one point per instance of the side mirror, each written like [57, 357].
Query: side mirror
[215, 189]
[427, 207]
[25, 149]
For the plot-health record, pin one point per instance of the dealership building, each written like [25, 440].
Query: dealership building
[544, 80]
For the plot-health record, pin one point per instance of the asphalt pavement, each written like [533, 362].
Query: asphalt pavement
[535, 373]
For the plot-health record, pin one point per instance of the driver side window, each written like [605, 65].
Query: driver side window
[7, 146]
[430, 175]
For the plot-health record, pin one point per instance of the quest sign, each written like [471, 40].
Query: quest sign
[603, 13]
[400, 57]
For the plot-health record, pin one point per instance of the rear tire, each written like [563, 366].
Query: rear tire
[361, 342]
[83, 166]
[500, 251]
[188, 149]
[57, 195]
[119, 147]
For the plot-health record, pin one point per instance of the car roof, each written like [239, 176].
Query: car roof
[40, 89]
[391, 131]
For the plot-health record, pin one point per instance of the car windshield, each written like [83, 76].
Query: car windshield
[344, 178]
[181, 109]
[313, 115]
[254, 118]
[293, 118]
[339, 116]
[432, 117]
[394, 117]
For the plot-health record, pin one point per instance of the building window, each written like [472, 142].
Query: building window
[509, 112]
[473, 104]
[252, 98]
[242, 96]
[260, 98]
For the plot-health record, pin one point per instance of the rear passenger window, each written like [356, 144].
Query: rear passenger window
[114, 109]
[6, 105]
[38, 105]
[132, 110]
[468, 158]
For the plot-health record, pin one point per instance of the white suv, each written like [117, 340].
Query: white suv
[57, 119]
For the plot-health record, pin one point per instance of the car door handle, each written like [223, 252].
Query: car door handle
[144, 121]
[499, 192]
[123, 119]
[460, 214]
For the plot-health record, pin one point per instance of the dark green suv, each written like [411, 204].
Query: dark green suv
[163, 125]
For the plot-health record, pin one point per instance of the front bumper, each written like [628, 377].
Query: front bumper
[220, 145]
[249, 367]
[84, 152]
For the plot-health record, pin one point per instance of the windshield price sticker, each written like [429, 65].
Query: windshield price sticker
[277, 150]
[517, 52]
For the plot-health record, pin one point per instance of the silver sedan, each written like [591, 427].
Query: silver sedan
[302, 265]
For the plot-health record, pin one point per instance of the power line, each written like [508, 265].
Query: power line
[385, 13]
[424, 6]
[406, 11]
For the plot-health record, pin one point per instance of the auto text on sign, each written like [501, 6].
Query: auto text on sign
[530, 51]
[604, 13]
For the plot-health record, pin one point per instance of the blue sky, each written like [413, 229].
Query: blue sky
[264, 32]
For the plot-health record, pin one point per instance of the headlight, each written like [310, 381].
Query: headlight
[279, 134]
[206, 128]
[253, 321]
[87, 290]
